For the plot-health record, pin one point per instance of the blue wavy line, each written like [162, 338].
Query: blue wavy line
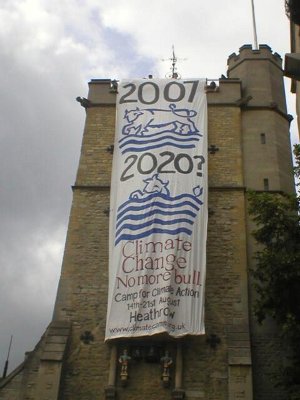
[157, 134]
[137, 217]
[137, 149]
[156, 204]
[163, 196]
[154, 221]
[144, 140]
[151, 231]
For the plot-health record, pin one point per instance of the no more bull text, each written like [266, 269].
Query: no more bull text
[152, 279]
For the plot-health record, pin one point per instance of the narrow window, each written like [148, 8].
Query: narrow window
[263, 138]
[266, 184]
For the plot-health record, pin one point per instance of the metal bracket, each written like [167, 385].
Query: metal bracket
[213, 340]
[213, 149]
[110, 149]
[87, 337]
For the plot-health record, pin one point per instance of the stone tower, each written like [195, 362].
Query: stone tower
[248, 147]
[266, 166]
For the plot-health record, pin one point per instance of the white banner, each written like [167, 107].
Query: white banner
[158, 221]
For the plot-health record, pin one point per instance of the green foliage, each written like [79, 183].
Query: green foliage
[277, 272]
[297, 163]
[292, 10]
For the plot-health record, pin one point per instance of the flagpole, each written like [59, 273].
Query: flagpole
[7, 359]
[254, 26]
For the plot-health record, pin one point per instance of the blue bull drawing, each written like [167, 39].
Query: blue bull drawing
[151, 121]
[153, 185]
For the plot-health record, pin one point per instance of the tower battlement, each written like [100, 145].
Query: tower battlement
[260, 72]
[246, 52]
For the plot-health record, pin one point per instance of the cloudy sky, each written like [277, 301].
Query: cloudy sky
[49, 50]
